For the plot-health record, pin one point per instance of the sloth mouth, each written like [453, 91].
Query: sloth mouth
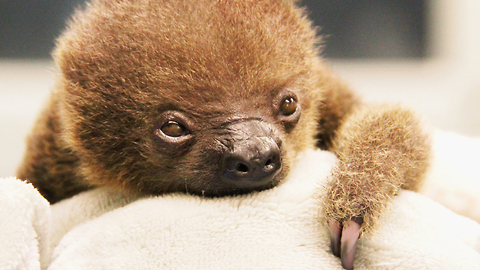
[236, 191]
[223, 188]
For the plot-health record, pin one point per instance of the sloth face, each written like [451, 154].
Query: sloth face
[231, 153]
[211, 97]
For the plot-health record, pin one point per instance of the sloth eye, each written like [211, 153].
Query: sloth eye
[173, 129]
[287, 109]
[288, 106]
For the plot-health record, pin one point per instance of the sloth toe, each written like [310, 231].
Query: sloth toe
[344, 238]
[350, 235]
[335, 236]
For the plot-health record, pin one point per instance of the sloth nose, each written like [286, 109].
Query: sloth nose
[253, 163]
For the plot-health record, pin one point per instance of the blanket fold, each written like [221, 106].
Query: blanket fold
[24, 226]
[273, 229]
[278, 228]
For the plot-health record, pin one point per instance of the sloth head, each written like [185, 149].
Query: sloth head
[206, 97]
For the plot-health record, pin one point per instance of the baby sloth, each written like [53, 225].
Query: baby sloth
[214, 98]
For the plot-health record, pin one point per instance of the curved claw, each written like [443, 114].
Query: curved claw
[344, 240]
[335, 237]
[350, 235]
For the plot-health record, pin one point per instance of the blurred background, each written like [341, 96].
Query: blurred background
[423, 54]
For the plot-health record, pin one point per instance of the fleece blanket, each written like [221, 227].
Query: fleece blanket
[24, 226]
[273, 229]
[454, 178]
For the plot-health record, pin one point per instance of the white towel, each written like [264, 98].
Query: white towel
[454, 180]
[273, 229]
[24, 225]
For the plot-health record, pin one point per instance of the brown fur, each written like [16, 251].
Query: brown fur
[124, 63]
[381, 149]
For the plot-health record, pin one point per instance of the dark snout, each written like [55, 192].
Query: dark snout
[253, 157]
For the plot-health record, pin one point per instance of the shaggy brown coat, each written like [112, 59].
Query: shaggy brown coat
[122, 64]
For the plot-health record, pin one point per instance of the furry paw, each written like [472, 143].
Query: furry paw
[344, 238]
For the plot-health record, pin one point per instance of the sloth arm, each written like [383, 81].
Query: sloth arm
[381, 149]
[48, 163]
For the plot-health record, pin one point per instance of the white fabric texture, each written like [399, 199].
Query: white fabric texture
[278, 228]
[454, 180]
[274, 229]
[24, 225]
